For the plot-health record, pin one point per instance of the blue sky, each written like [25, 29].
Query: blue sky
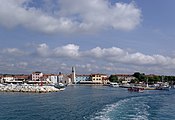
[99, 36]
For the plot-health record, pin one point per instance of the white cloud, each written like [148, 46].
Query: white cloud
[22, 65]
[13, 51]
[69, 50]
[70, 16]
[110, 60]
[43, 50]
[113, 54]
[106, 52]
[122, 56]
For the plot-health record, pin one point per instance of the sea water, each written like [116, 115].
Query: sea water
[89, 103]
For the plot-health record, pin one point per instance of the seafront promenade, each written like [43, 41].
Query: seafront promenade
[27, 88]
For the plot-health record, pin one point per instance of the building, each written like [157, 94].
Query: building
[53, 79]
[21, 77]
[99, 78]
[7, 78]
[36, 76]
[64, 79]
[59, 78]
[83, 79]
[14, 78]
[125, 78]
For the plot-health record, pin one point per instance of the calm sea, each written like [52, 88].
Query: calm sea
[89, 103]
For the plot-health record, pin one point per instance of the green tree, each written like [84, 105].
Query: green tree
[140, 76]
[134, 80]
[153, 79]
[113, 78]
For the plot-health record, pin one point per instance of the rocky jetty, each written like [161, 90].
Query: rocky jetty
[27, 88]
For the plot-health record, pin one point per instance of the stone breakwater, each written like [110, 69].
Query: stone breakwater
[27, 88]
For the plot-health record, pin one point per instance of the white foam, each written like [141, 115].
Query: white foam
[138, 108]
[103, 114]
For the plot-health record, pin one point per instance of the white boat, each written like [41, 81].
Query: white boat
[163, 86]
[59, 85]
[114, 84]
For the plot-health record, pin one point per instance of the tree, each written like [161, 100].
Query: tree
[113, 78]
[134, 80]
[139, 76]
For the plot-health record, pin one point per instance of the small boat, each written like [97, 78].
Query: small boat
[114, 84]
[59, 86]
[136, 89]
[126, 86]
[163, 86]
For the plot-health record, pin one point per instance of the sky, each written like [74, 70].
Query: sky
[95, 36]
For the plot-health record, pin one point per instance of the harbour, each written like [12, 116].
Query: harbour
[80, 102]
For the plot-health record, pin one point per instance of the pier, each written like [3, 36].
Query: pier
[27, 88]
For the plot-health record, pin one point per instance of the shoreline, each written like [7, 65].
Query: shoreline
[27, 88]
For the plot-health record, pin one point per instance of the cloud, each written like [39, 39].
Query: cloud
[70, 16]
[106, 52]
[69, 50]
[105, 60]
[13, 52]
[113, 54]
[43, 50]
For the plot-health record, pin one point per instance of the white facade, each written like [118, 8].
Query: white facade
[125, 78]
[36, 76]
[54, 79]
[7, 78]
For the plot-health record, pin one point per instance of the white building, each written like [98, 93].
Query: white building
[59, 78]
[64, 79]
[8, 78]
[36, 76]
[54, 79]
[125, 78]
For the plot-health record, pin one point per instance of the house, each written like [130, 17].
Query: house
[83, 79]
[99, 78]
[21, 77]
[125, 78]
[7, 78]
[14, 78]
[59, 78]
[36, 76]
[65, 79]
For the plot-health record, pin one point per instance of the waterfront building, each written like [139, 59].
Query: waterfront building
[54, 79]
[36, 76]
[59, 78]
[83, 79]
[7, 78]
[21, 77]
[125, 78]
[14, 78]
[99, 78]
[65, 79]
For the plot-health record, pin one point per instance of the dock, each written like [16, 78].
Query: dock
[27, 88]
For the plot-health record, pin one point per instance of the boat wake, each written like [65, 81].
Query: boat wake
[134, 108]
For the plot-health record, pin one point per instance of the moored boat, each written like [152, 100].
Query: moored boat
[59, 86]
[136, 89]
[114, 84]
[163, 86]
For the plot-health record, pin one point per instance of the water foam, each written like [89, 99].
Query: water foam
[130, 108]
